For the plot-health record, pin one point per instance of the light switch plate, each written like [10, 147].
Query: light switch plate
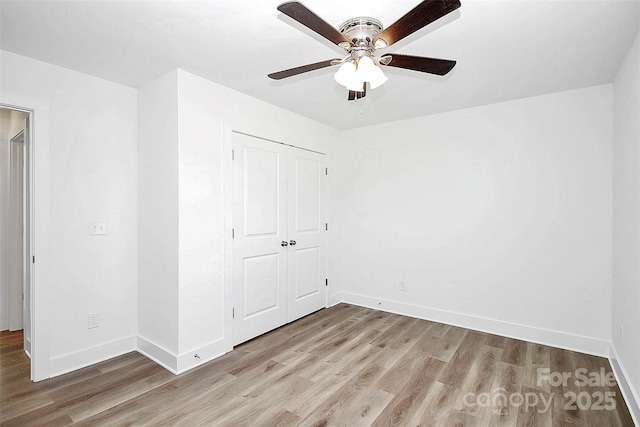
[97, 228]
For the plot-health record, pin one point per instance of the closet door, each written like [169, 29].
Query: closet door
[306, 273]
[260, 231]
[279, 266]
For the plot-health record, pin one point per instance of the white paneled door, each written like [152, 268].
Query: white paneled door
[306, 272]
[279, 266]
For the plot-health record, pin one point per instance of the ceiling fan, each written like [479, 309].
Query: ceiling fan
[360, 38]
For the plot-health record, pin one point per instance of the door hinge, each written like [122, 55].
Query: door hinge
[233, 313]
[233, 154]
[326, 226]
[326, 282]
[233, 233]
[34, 259]
[326, 171]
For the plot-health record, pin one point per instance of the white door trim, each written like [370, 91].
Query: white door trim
[39, 223]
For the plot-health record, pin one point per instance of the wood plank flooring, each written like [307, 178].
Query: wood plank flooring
[346, 365]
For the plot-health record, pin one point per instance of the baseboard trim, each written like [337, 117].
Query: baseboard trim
[158, 354]
[27, 347]
[629, 394]
[90, 356]
[334, 299]
[558, 339]
[206, 353]
[178, 364]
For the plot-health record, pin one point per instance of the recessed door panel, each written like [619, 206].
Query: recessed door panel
[261, 284]
[261, 188]
[307, 272]
[307, 190]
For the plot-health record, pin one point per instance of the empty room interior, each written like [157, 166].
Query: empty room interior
[320, 213]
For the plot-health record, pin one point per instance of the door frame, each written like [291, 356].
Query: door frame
[16, 295]
[228, 129]
[38, 224]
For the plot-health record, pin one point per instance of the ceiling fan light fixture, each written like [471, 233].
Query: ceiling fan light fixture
[356, 87]
[347, 75]
[370, 72]
[378, 80]
[360, 37]
[355, 83]
[379, 44]
[352, 75]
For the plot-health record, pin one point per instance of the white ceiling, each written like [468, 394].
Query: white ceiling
[505, 49]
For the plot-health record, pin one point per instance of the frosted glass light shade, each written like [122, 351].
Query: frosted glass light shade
[371, 73]
[365, 65]
[346, 74]
[357, 85]
[353, 78]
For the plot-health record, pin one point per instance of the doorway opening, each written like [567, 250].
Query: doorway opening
[15, 240]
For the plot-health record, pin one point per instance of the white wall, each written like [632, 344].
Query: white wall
[626, 224]
[497, 217]
[92, 175]
[202, 306]
[158, 214]
[199, 180]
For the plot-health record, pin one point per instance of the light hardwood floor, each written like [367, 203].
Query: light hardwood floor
[345, 365]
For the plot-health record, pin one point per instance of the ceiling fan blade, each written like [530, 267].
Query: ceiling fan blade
[418, 17]
[302, 69]
[303, 15]
[421, 63]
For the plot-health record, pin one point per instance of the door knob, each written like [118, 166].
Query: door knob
[284, 243]
[292, 242]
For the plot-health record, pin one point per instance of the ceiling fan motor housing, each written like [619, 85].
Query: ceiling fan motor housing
[362, 32]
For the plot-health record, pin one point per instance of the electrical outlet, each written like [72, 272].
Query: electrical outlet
[93, 320]
[403, 285]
